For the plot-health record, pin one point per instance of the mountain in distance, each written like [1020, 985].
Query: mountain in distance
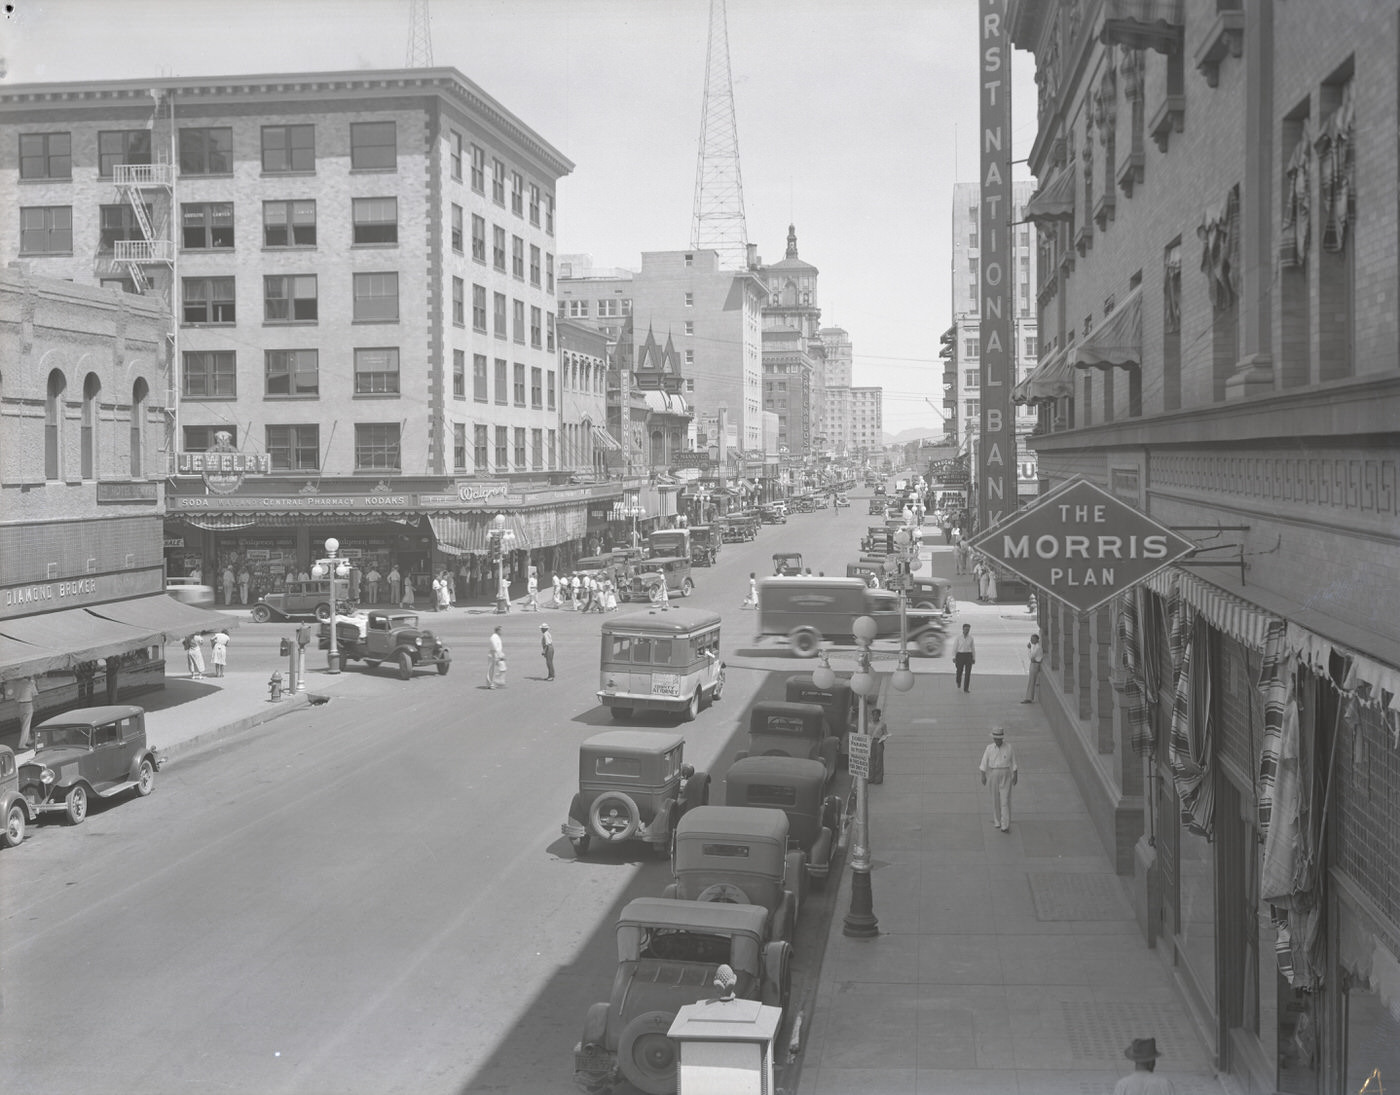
[914, 433]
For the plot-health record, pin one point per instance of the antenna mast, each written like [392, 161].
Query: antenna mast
[718, 218]
[420, 36]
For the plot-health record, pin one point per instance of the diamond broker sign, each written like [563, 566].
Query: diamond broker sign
[1082, 545]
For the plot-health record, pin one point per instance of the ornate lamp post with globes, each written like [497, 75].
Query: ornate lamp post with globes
[336, 569]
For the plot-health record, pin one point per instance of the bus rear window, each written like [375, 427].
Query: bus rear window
[729, 851]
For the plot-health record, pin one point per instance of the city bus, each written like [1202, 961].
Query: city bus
[664, 659]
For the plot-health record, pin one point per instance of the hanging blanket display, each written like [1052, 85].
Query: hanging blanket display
[1133, 683]
[1289, 824]
[1189, 746]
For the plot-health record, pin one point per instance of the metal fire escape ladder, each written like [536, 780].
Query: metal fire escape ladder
[132, 180]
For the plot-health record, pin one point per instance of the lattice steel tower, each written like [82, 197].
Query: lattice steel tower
[420, 36]
[718, 218]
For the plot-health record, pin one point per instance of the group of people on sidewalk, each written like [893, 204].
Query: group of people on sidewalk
[194, 653]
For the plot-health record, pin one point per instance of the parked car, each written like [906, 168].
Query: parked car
[770, 514]
[780, 728]
[297, 598]
[841, 501]
[930, 593]
[12, 803]
[800, 503]
[90, 751]
[704, 545]
[190, 592]
[648, 576]
[787, 562]
[877, 506]
[386, 635]
[797, 787]
[633, 785]
[838, 703]
[667, 954]
[810, 610]
[739, 855]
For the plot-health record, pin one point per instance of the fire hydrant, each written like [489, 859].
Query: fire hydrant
[274, 687]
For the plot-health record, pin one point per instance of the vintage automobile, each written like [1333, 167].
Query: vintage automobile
[13, 804]
[798, 788]
[771, 514]
[808, 611]
[190, 592]
[649, 575]
[877, 506]
[932, 593]
[739, 855]
[838, 703]
[821, 500]
[86, 752]
[704, 545]
[667, 659]
[841, 501]
[800, 503]
[780, 728]
[297, 598]
[867, 568]
[633, 785]
[386, 635]
[787, 562]
[668, 952]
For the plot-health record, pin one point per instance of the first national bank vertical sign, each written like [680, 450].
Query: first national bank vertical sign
[996, 452]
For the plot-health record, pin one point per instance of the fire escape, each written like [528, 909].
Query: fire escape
[134, 181]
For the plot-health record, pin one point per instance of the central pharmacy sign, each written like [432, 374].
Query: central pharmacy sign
[1082, 545]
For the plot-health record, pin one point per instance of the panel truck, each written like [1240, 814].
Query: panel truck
[809, 611]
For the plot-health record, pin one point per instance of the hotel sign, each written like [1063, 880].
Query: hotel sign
[1082, 545]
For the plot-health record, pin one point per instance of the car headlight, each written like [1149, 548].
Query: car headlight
[418, 641]
[47, 775]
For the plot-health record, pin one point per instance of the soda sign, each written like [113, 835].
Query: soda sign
[1082, 545]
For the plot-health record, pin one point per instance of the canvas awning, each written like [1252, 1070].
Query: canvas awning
[605, 439]
[1054, 201]
[1116, 343]
[1143, 24]
[30, 645]
[1049, 381]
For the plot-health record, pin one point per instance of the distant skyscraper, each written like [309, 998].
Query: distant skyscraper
[718, 217]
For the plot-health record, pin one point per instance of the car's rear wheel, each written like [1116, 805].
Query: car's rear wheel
[614, 817]
[687, 588]
[261, 614]
[776, 988]
[323, 612]
[725, 893]
[692, 707]
[76, 803]
[804, 643]
[646, 1055]
[405, 664]
[719, 688]
[146, 780]
[16, 823]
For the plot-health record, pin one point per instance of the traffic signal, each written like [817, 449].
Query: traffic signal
[494, 545]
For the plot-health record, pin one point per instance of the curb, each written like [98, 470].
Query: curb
[237, 726]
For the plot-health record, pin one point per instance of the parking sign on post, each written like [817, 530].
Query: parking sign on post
[859, 755]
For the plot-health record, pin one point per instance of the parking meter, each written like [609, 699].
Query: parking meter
[298, 679]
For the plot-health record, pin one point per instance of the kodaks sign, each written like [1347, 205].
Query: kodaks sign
[1082, 545]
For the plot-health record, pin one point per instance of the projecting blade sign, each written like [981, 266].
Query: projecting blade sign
[1082, 545]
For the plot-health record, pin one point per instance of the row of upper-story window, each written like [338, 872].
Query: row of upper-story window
[296, 374]
[606, 308]
[541, 323]
[90, 425]
[291, 223]
[284, 150]
[378, 447]
[583, 374]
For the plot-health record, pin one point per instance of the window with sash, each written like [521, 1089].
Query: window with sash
[373, 146]
[45, 156]
[376, 297]
[290, 299]
[377, 370]
[208, 301]
[289, 223]
[46, 230]
[292, 373]
[209, 374]
[294, 448]
[375, 220]
[206, 226]
[377, 447]
[206, 150]
[123, 146]
[288, 148]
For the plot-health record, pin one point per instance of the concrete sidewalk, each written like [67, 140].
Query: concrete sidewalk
[1006, 962]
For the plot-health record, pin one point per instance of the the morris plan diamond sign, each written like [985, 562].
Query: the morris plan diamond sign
[1082, 545]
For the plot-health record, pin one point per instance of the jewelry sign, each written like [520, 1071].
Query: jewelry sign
[1082, 545]
[996, 452]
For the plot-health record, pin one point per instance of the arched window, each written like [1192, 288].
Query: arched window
[92, 388]
[139, 391]
[658, 448]
[53, 426]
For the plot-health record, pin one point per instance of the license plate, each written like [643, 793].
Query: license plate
[666, 684]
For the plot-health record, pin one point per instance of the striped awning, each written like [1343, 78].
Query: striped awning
[1115, 343]
[1049, 381]
[232, 522]
[1226, 612]
[1143, 24]
[1054, 201]
[605, 439]
[1317, 651]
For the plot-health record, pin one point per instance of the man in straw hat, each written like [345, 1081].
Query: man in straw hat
[1143, 1080]
[999, 773]
[547, 650]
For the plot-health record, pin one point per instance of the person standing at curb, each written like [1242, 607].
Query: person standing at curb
[220, 642]
[194, 654]
[999, 773]
[394, 581]
[406, 600]
[372, 585]
[547, 650]
[1143, 1080]
[964, 658]
[1037, 655]
[751, 601]
[496, 661]
[532, 591]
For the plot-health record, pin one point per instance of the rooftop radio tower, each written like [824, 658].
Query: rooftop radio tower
[420, 36]
[718, 220]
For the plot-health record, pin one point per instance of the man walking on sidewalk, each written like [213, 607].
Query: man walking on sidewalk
[1143, 1080]
[999, 773]
[964, 657]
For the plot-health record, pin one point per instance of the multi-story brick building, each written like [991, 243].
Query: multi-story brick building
[1218, 280]
[361, 269]
[82, 501]
[853, 423]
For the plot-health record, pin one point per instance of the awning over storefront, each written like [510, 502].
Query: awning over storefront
[533, 529]
[1054, 201]
[51, 641]
[606, 440]
[1143, 24]
[233, 522]
[1116, 342]
[1049, 381]
[659, 402]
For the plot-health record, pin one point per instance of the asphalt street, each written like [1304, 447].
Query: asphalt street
[370, 896]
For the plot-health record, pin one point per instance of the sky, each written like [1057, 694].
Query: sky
[855, 118]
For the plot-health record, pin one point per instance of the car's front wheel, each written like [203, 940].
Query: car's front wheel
[261, 614]
[692, 708]
[76, 804]
[687, 588]
[146, 780]
[405, 664]
[443, 668]
[323, 612]
[16, 823]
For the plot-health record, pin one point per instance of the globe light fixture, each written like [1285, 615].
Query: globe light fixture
[822, 676]
[902, 679]
[865, 629]
[319, 571]
[332, 546]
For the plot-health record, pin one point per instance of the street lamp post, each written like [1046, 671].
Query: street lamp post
[501, 540]
[336, 568]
